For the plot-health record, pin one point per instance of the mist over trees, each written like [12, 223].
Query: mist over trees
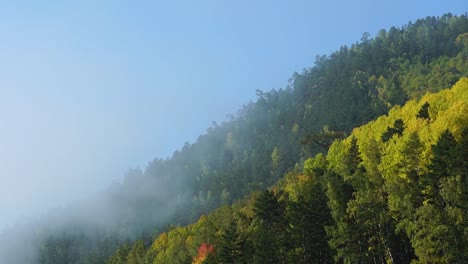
[346, 206]
[403, 200]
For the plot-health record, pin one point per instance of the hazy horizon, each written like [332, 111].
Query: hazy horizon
[90, 90]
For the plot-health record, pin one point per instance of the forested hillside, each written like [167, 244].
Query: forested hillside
[273, 137]
[395, 191]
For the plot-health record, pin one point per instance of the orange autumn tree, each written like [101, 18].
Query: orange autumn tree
[204, 251]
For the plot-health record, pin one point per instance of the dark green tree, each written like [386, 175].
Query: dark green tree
[230, 249]
[397, 129]
[353, 159]
[439, 227]
[270, 242]
[442, 165]
[307, 219]
[424, 112]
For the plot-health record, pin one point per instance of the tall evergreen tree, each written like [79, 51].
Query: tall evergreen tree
[443, 161]
[270, 246]
[424, 112]
[230, 249]
[307, 219]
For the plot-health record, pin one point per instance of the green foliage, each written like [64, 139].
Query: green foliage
[307, 219]
[270, 242]
[230, 249]
[419, 184]
[324, 138]
[136, 255]
[120, 256]
[360, 199]
[366, 201]
[441, 166]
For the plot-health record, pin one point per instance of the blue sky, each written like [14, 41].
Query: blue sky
[89, 89]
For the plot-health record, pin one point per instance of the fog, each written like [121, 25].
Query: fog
[89, 91]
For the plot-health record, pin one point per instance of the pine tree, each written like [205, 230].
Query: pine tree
[353, 159]
[270, 240]
[230, 249]
[442, 165]
[437, 236]
[424, 112]
[307, 219]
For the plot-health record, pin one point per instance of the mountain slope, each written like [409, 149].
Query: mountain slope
[264, 140]
[370, 199]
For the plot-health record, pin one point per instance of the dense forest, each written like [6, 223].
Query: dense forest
[393, 191]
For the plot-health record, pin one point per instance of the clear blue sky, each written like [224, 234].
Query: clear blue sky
[89, 89]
